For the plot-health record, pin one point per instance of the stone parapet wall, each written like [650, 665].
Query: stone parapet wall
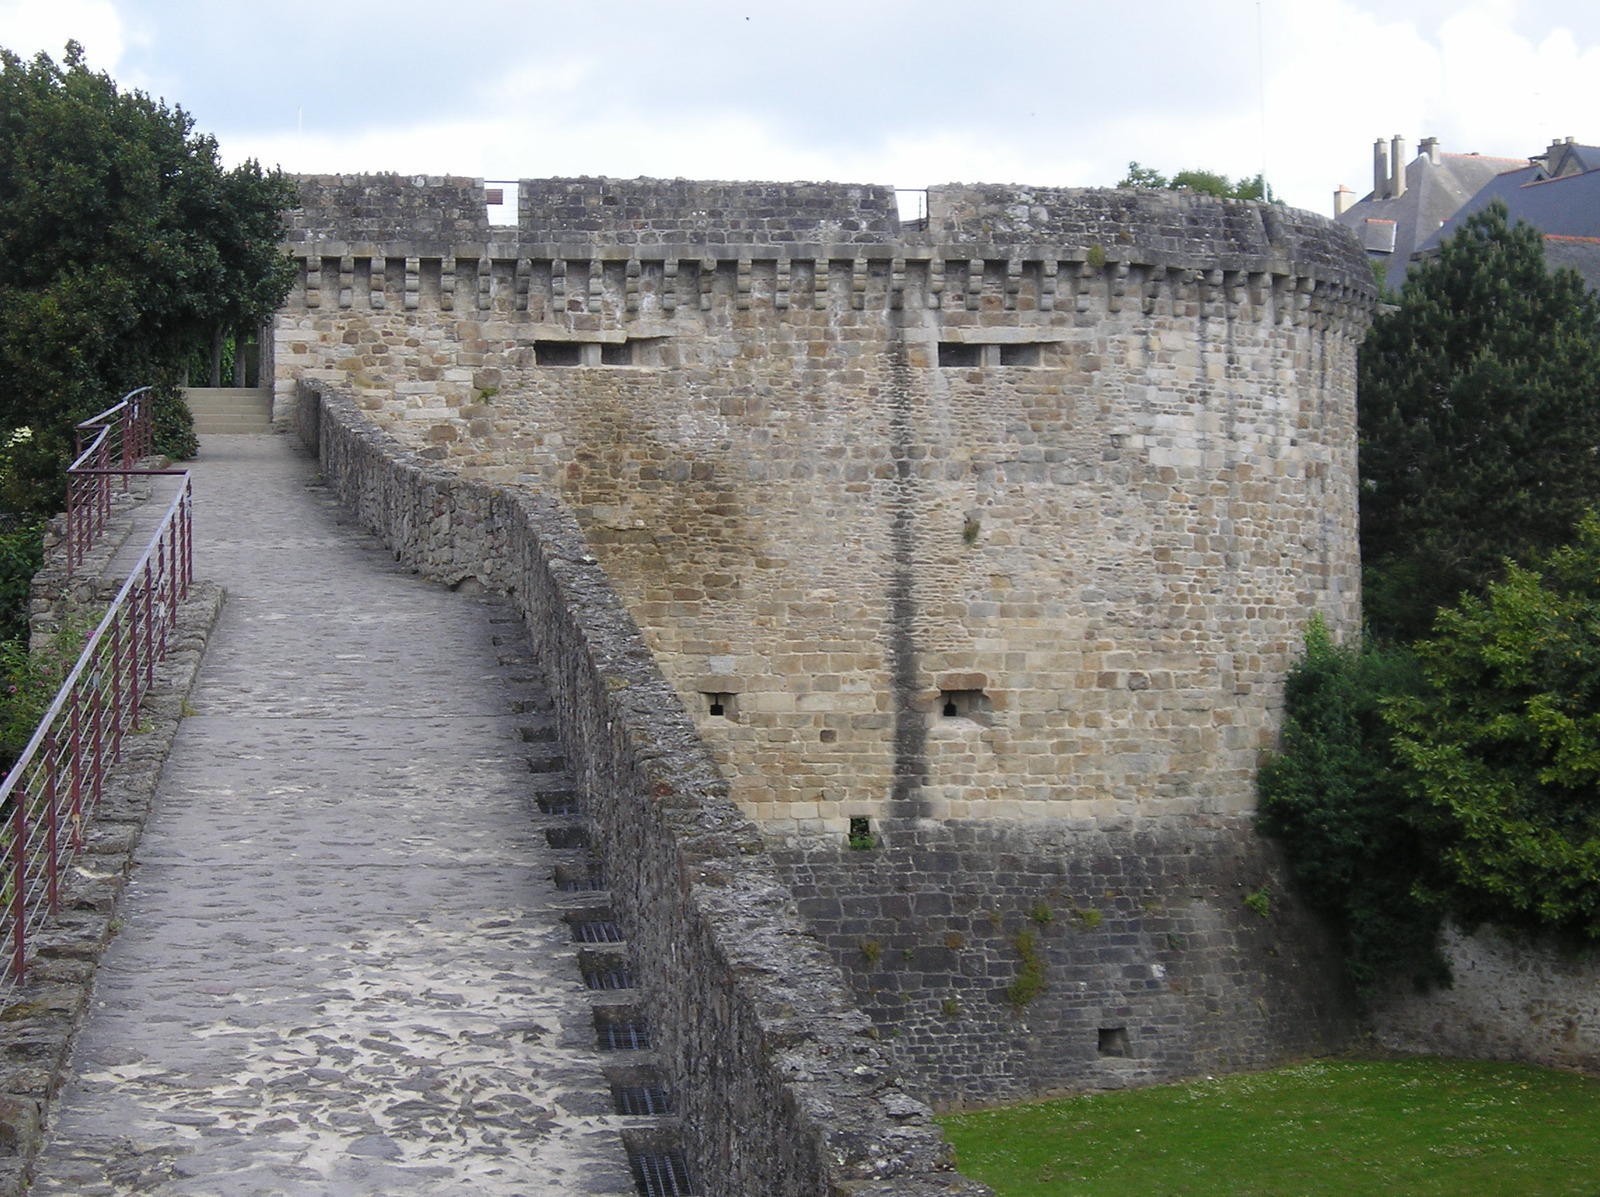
[359, 209]
[684, 212]
[1006, 961]
[1180, 230]
[782, 1088]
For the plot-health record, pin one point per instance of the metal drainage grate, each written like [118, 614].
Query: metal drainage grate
[567, 837]
[559, 802]
[624, 1036]
[574, 882]
[660, 1173]
[640, 1099]
[596, 931]
[609, 975]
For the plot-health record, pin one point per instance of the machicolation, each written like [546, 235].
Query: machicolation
[977, 554]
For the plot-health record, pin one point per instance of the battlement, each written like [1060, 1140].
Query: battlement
[783, 243]
[679, 212]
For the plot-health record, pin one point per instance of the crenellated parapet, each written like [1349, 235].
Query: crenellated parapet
[625, 250]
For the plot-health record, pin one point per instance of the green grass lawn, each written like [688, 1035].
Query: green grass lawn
[1388, 1128]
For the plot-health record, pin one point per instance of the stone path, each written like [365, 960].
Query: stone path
[342, 968]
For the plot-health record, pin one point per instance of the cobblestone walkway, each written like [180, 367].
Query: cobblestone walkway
[342, 967]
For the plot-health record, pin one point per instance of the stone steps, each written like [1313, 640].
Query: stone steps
[227, 410]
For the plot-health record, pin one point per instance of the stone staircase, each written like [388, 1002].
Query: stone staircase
[220, 410]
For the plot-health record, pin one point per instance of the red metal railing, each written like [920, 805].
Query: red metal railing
[47, 798]
[117, 437]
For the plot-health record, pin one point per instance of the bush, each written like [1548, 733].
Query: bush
[173, 432]
[21, 554]
[28, 685]
[1337, 798]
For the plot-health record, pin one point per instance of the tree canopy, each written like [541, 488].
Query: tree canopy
[1205, 182]
[1503, 745]
[124, 244]
[1450, 765]
[1479, 405]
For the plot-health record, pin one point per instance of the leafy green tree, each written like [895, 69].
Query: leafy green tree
[1503, 745]
[1479, 406]
[1143, 176]
[125, 246]
[1205, 182]
[1336, 796]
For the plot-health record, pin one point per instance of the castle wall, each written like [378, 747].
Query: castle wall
[990, 544]
[1513, 998]
[1095, 542]
[780, 1086]
[1007, 961]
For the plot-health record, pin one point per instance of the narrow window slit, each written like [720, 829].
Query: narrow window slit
[621, 1030]
[559, 802]
[567, 837]
[1113, 1041]
[640, 1099]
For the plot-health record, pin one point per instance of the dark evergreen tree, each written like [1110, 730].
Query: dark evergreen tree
[1479, 401]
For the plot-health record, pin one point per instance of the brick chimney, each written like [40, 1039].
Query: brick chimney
[1430, 147]
[1342, 199]
[1380, 170]
[1397, 166]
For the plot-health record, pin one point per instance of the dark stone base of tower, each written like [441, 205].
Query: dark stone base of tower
[1004, 962]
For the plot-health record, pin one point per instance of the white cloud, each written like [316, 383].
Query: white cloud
[29, 26]
[1040, 92]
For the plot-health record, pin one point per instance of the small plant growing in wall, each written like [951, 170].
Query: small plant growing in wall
[970, 530]
[950, 1008]
[861, 838]
[1097, 256]
[871, 952]
[1029, 981]
[1088, 920]
[1260, 901]
[1041, 913]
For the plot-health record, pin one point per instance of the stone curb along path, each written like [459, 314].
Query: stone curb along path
[39, 1023]
[345, 964]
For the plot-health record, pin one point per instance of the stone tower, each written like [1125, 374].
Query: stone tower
[978, 551]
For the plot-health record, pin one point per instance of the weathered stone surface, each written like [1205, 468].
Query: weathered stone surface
[1119, 514]
[1142, 934]
[783, 1088]
[1515, 997]
[342, 964]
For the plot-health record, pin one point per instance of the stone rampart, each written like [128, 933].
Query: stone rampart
[781, 1085]
[920, 528]
[987, 545]
[598, 213]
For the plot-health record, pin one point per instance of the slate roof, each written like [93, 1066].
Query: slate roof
[1434, 191]
[1565, 209]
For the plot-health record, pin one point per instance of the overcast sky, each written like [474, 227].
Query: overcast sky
[904, 92]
